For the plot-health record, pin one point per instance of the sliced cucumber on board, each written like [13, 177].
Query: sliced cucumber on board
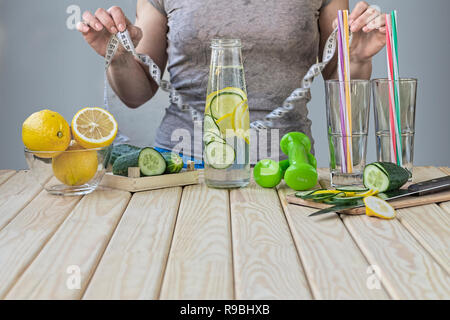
[352, 189]
[150, 161]
[304, 194]
[174, 162]
[384, 176]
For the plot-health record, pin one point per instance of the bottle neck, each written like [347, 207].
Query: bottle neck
[226, 52]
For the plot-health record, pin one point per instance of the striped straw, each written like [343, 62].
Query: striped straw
[342, 92]
[392, 122]
[397, 87]
[347, 93]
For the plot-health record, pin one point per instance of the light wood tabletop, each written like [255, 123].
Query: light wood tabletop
[194, 242]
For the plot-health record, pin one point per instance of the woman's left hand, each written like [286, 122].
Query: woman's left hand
[367, 24]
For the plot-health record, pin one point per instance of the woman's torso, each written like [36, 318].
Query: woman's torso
[280, 42]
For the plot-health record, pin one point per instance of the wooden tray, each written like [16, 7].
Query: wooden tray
[135, 183]
[406, 202]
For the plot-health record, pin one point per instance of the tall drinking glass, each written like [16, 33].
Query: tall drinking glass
[347, 138]
[408, 92]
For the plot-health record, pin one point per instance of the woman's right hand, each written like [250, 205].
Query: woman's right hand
[97, 29]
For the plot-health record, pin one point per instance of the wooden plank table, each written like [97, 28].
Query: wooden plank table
[201, 243]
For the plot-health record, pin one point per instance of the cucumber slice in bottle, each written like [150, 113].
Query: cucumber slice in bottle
[224, 103]
[151, 162]
[209, 125]
[219, 155]
[352, 189]
[209, 137]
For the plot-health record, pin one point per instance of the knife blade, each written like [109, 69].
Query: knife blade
[419, 189]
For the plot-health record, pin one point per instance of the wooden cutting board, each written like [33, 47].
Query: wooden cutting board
[405, 202]
[135, 183]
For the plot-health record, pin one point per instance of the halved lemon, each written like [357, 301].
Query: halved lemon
[376, 207]
[94, 128]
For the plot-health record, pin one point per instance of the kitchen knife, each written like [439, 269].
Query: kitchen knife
[418, 189]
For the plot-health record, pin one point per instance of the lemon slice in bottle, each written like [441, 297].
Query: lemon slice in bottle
[224, 124]
[240, 121]
[94, 128]
[223, 102]
[376, 207]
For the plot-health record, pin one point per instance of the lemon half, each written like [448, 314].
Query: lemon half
[376, 207]
[94, 128]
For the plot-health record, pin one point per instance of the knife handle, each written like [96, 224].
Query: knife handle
[430, 186]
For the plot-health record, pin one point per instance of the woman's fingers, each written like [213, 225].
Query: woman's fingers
[377, 23]
[357, 11]
[83, 27]
[106, 19]
[113, 19]
[91, 21]
[118, 17]
[370, 14]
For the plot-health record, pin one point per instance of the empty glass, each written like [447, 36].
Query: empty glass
[408, 91]
[347, 149]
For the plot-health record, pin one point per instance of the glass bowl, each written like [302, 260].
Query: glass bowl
[71, 172]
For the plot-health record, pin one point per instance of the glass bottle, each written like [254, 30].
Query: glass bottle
[226, 124]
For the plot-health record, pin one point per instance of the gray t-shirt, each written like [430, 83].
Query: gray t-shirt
[280, 41]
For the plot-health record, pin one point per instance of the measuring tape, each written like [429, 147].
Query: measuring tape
[298, 97]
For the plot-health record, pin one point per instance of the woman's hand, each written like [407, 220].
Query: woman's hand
[367, 24]
[97, 28]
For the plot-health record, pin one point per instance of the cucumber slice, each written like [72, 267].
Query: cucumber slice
[384, 176]
[352, 189]
[209, 125]
[173, 161]
[322, 196]
[224, 103]
[303, 194]
[209, 137]
[375, 178]
[219, 155]
[343, 200]
[151, 162]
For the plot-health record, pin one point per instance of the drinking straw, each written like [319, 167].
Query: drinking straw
[396, 86]
[347, 92]
[341, 91]
[392, 122]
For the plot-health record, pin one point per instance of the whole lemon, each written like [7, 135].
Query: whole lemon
[76, 166]
[46, 130]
